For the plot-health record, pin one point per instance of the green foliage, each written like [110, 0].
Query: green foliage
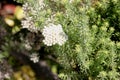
[92, 49]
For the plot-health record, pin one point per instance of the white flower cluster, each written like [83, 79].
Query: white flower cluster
[41, 4]
[34, 57]
[28, 23]
[33, 9]
[54, 34]
[26, 9]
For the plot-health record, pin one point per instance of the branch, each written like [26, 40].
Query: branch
[41, 69]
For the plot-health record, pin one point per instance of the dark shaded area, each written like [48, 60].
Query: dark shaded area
[41, 68]
[3, 2]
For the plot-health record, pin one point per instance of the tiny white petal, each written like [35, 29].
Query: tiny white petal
[34, 57]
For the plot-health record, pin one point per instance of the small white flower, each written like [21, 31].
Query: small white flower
[27, 46]
[54, 34]
[41, 4]
[28, 23]
[7, 76]
[34, 57]
[71, 1]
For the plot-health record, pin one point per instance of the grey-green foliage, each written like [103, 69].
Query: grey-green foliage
[88, 48]
[89, 53]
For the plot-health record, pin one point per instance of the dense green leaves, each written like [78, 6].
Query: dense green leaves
[92, 51]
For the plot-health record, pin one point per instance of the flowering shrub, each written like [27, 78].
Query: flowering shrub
[67, 39]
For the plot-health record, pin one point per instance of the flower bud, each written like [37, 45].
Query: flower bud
[114, 1]
[111, 43]
[103, 28]
[64, 1]
[102, 74]
[77, 48]
[106, 24]
[118, 45]
[112, 29]
[9, 22]
[94, 27]
[99, 4]
[81, 9]
[49, 11]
